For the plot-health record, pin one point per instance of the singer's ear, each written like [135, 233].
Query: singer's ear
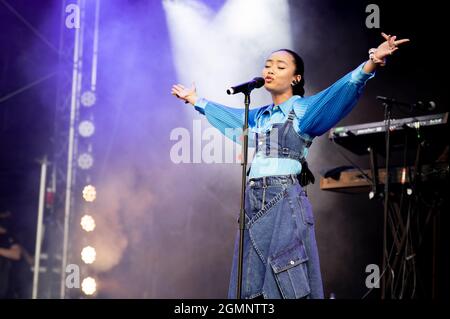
[296, 80]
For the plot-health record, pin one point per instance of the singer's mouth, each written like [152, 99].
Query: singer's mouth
[268, 79]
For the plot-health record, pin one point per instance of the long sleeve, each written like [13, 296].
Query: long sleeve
[325, 109]
[229, 121]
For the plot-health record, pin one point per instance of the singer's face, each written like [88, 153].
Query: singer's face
[278, 72]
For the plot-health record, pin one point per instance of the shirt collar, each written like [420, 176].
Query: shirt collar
[286, 106]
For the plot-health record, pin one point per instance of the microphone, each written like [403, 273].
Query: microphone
[420, 105]
[246, 87]
[387, 99]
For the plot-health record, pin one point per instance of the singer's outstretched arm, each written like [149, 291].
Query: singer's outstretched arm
[318, 113]
[323, 110]
[228, 120]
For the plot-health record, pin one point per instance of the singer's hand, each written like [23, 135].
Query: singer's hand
[189, 95]
[389, 46]
[385, 49]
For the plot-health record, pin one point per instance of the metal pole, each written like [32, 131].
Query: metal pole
[242, 211]
[39, 227]
[70, 154]
[387, 119]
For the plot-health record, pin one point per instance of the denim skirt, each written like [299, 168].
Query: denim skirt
[280, 257]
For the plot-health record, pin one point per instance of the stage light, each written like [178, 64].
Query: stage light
[87, 223]
[89, 193]
[89, 286]
[85, 161]
[86, 128]
[88, 99]
[240, 36]
[88, 254]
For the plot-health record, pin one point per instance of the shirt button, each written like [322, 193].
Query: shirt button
[292, 262]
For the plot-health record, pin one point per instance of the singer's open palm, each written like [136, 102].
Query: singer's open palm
[185, 94]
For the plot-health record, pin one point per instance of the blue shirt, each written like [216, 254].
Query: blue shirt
[315, 115]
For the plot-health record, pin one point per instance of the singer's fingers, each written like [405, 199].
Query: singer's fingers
[180, 92]
[176, 93]
[385, 35]
[392, 50]
[179, 86]
[401, 41]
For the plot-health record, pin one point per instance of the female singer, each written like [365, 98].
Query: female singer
[280, 257]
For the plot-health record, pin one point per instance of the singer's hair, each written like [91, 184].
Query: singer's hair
[297, 89]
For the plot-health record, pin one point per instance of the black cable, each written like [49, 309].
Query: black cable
[382, 273]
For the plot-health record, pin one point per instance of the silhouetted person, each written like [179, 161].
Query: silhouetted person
[10, 251]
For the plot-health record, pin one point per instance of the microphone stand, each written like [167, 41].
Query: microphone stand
[244, 182]
[387, 119]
